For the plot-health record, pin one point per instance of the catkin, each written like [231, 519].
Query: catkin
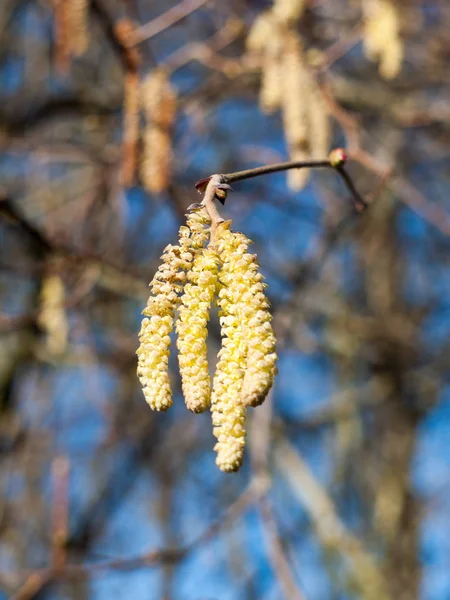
[296, 85]
[130, 126]
[246, 366]
[264, 39]
[71, 30]
[270, 93]
[228, 411]
[192, 330]
[77, 18]
[382, 41]
[52, 317]
[158, 100]
[287, 83]
[166, 286]
[252, 308]
[157, 157]
[187, 282]
[260, 32]
[319, 122]
[288, 10]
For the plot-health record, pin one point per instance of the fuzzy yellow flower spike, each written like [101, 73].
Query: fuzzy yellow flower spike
[252, 309]
[166, 286]
[259, 336]
[192, 330]
[228, 411]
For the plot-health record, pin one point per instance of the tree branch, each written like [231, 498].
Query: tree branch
[336, 161]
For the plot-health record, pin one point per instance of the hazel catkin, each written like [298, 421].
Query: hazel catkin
[246, 367]
[192, 330]
[228, 411]
[166, 286]
[187, 281]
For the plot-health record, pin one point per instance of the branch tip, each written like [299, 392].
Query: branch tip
[337, 157]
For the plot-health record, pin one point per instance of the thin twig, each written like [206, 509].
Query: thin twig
[32, 586]
[166, 20]
[337, 166]
[60, 511]
[209, 204]
[332, 532]
[130, 127]
[266, 169]
[260, 444]
[277, 553]
[207, 51]
[257, 489]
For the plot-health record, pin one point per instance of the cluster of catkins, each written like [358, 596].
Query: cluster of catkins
[289, 84]
[191, 276]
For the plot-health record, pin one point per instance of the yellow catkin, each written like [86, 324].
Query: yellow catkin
[158, 100]
[166, 286]
[288, 10]
[228, 411]
[252, 310]
[264, 39]
[52, 317]
[260, 32]
[287, 83]
[271, 83]
[246, 366]
[270, 93]
[130, 126]
[156, 161]
[319, 122]
[77, 18]
[192, 330]
[382, 41]
[260, 339]
[296, 85]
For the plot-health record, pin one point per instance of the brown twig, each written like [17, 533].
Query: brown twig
[331, 163]
[257, 488]
[208, 203]
[339, 48]
[277, 553]
[332, 532]
[260, 443]
[60, 512]
[166, 20]
[130, 127]
[61, 26]
[32, 586]
[207, 52]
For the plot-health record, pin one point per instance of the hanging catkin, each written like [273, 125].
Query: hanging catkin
[192, 330]
[382, 41]
[228, 410]
[158, 101]
[166, 286]
[296, 85]
[77, 18]
[287, 83]
[130, 126]
[288, 10]
[246, 366]
[318, 121]
[264, 40]
[52, 316]
[187, 281]
[270, 94]
[71, 30]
